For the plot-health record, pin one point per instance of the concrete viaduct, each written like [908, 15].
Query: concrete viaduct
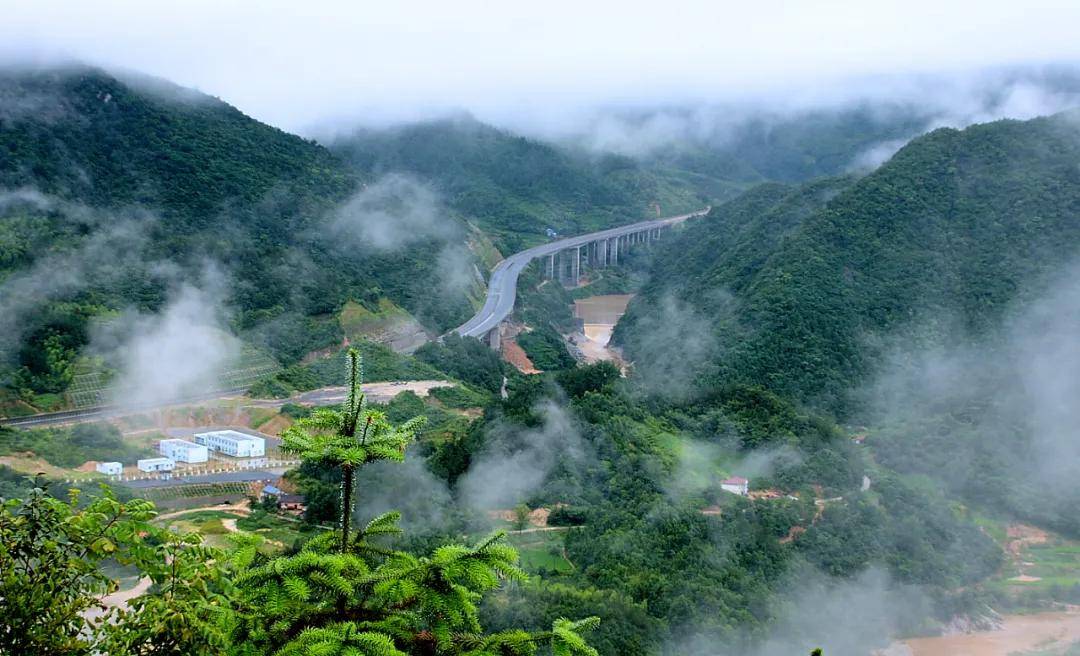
[561, 260]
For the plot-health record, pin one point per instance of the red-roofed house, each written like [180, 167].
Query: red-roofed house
[736, 485]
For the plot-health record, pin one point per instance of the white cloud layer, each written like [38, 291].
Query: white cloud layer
[300, 64]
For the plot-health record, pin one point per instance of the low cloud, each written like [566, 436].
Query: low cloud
[1004, 400]
[876, 155]
[391, 213]
[103, 258]
[457, 271]
[516, 463]
[975, 103]
[845, 617]
[424, 501]
[178, 352]
[672, 347]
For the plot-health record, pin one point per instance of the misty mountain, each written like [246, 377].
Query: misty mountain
[827, 131]
[799, 286]
[515, 187]
[119, 191]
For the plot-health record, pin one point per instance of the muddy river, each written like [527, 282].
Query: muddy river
[600, 314]
[1043, 633]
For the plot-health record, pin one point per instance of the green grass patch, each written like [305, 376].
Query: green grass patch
[546, 349]
[541, 551]
[358, 322]
[192, 490]
[993, 527]
[459, 397]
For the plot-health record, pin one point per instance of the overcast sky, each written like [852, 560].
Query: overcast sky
[300, 63]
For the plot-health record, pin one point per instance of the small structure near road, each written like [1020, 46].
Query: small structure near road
[183, 451]
[156, 464]
[233, 443]
[109, 468]
[286, 501]
[736, 485]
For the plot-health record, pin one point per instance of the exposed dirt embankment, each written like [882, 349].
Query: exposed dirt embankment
[1043, 633]
[512, 352]
[599, 314]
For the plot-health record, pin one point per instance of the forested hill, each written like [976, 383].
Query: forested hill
[513, 186]
[83, 134]
[796, 284]
[115, 192]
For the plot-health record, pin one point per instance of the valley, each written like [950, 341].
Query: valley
[672, 380]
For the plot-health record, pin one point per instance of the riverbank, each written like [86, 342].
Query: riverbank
[598, 316]
[1052, 632]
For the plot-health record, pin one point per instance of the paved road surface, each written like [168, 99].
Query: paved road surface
[246, 476]
[502, 287]
[376, 393]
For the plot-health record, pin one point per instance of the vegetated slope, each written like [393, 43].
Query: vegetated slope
[951, 227]
[84, 134]
[134, 185]
[795, 147]
[515, 187]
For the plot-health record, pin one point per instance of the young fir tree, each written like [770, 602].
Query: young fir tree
[345, 594]
[342, 594]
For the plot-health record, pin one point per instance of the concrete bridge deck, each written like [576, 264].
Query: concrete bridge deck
[601, 249]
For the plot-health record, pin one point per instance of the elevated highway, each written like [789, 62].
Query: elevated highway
[564, 261]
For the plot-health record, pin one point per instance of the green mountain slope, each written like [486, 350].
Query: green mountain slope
[516, 187]
[951, 228]
[115, 191]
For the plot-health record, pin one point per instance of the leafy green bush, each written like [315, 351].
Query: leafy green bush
[546, 349]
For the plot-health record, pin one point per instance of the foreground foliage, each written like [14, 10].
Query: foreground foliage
[342, 593]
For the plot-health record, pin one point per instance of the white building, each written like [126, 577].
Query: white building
[233, 443]
[736, 485]
[110, 468]
[183, 451]
[156, 464]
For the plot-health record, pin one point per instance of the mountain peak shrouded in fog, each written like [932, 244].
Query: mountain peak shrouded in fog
[297, 67]
[742, 328]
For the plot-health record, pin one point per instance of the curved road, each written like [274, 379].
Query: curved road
[502, 290]
[502, 287]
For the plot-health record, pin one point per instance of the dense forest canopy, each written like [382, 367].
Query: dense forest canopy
[951, 229]
[928, 300]
[885, 359]
[514, 187]
[125, 196]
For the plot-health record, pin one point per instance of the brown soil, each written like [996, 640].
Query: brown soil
[539, 517]
[771, 493]
[1051, 632]
[513, 353]
[793, 533]
[1020, 536]
[276, 426]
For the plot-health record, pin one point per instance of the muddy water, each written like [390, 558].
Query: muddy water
[600, 314]
[1040, 632]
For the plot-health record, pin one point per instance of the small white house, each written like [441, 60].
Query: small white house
[233, 443]
[110, 468]
[736, 485]
[183, 451]
[156, 464]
